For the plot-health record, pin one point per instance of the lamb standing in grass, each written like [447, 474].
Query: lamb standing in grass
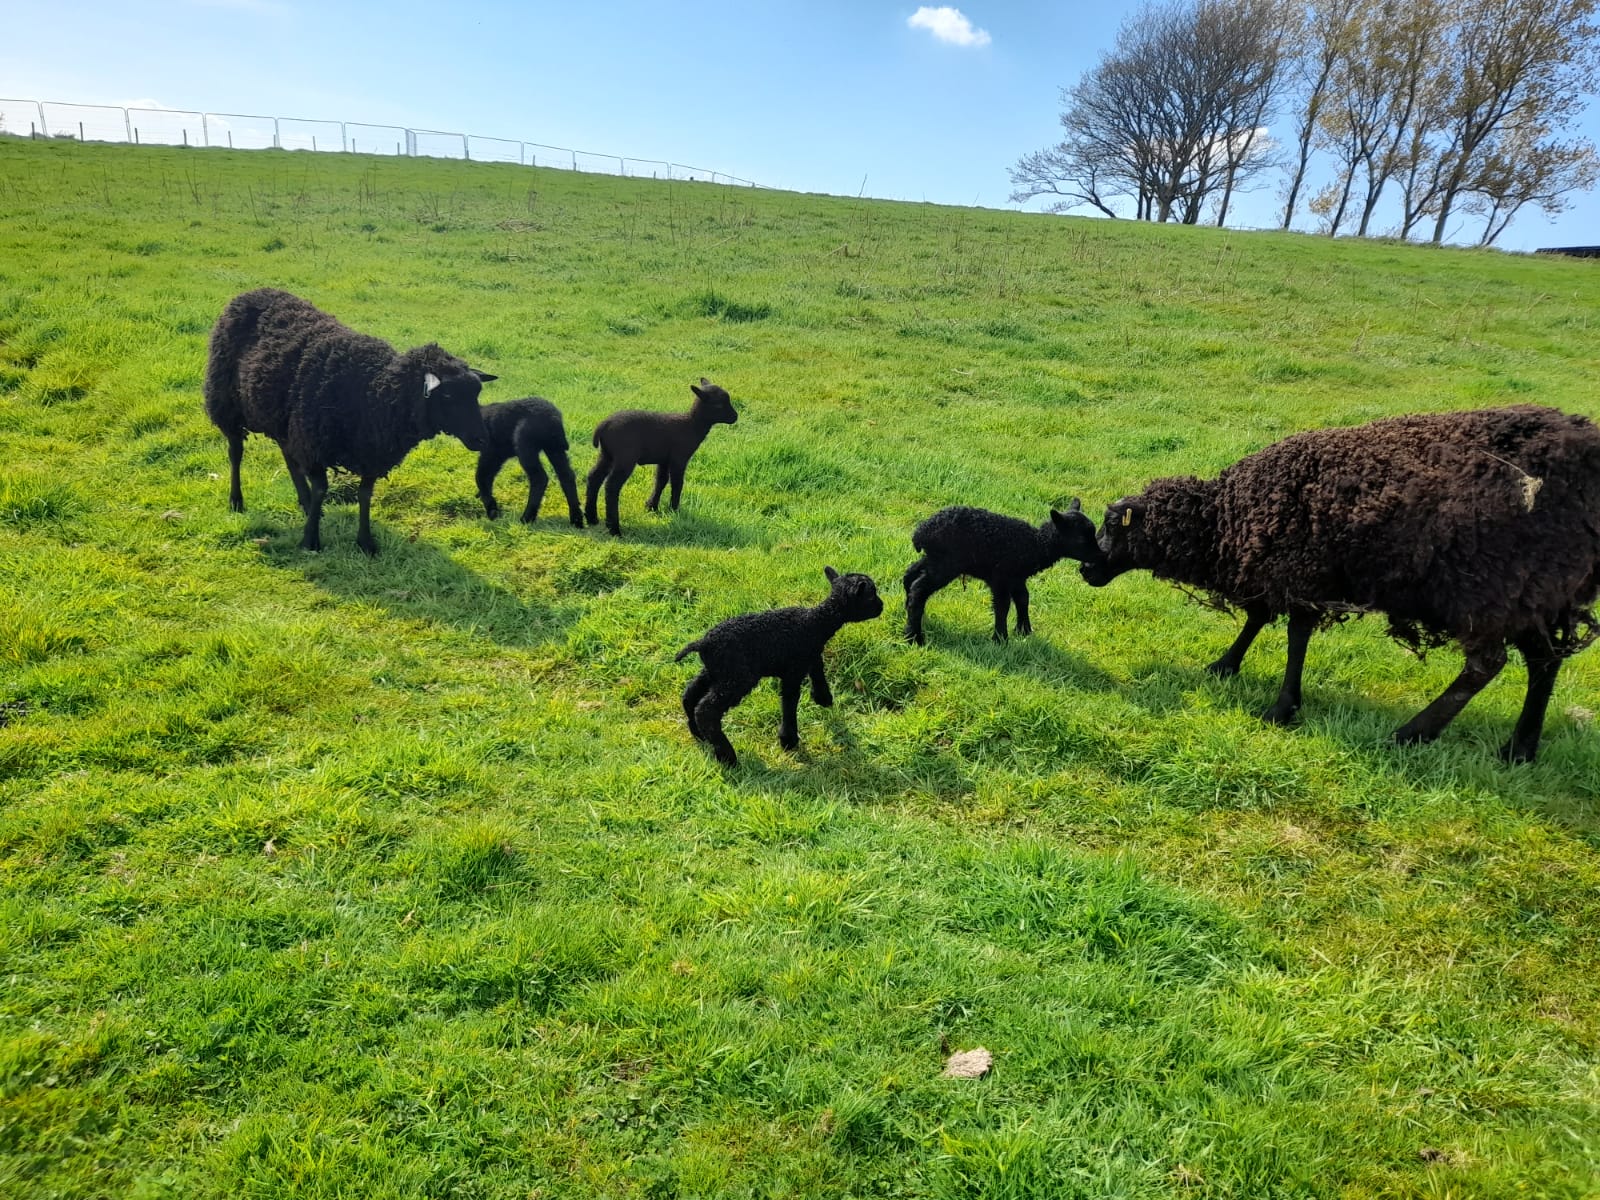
[1002, 551]
[782, 643]
[666, 440]
[524, 428]
[330, 397]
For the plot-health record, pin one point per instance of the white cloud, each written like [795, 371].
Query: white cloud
[948, 25]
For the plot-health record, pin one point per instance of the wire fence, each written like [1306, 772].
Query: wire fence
[244, 131]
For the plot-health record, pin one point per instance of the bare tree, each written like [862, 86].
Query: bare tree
[1171, 116]
[1526, 168]
[1316, 37]
[1520, 64]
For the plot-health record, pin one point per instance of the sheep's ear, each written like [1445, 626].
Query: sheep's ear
[429, 382]
[705, 383]
[696, 390]
[830, 573]
[1074, 506]
[483, 376]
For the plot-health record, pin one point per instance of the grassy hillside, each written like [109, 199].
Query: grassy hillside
[322, 876]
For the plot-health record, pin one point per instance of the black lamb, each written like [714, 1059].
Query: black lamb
[330, 398]
[1479, 527]
[1002, 551]
[666, 440]
[783, 643]
[525, 428]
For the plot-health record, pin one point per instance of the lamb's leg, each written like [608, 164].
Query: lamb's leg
[537, 482]
[692, 695]
[619, 476]
[1543, 666]
[662, 474]
[1000, 598]
[316, 489]
[1301, 625]
[719, 698]
[1019, 597]
[562, 466]
[235, 457]
[302, 489]
[820, 692]
[597, 475]
[789, 709]
[489, 463]
[923, 586]
[676, 472]
[1482, 665]
[364, 538]
[1255, 620]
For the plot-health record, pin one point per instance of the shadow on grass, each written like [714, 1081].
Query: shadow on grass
[682, 528]
[416, 582]
[1034, 655]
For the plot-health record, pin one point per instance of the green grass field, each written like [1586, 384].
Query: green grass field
[329, 877]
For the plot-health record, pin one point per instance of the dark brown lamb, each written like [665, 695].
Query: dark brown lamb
[1479, 527]
[525, 428]
[665, 440]
[331, 398]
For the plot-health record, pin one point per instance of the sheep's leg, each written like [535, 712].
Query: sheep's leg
[235, 457]
[820, 692]
[1543, 666]
[562, 465]
[1000, 598]
[316, 489]
[597, 475]
[489, 463]
[1301, 624]
[677, 483]
[1482, 665]
[692, 695]
[537, 482]
[302, 489]
[662, 473]
[923, 586]
[789, 709]
[619, 476]
[364, 538]
[1019, 597]
[708, 713]
[1255, 620]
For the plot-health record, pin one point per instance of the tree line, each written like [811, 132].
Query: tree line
[1450, 108]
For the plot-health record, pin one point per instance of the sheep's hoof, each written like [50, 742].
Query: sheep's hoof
[1222, 669]
[727, 758]
[914, 636]
[614, 530]
[314, 545]
[236, 503]
[528, 518]
[822, 701]
[1514, 755]
[1408, 736]
[577, 520]
[652, 508]
[1280, 714]
[491, 511]
[790, 744]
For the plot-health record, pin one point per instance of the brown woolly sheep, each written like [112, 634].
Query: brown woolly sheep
[1477, 527]
[666, 440]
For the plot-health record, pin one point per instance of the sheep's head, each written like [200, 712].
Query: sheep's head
[711, 404]
[448, 402]
[1072, 533]
[856, 596]
[1120, 542]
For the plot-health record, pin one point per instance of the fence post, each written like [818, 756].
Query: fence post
[574, 160]
[205, 131]
[127, 124]
[276, 145]
[44, 129]
[522, 153]
[466, 150]
[344, 140]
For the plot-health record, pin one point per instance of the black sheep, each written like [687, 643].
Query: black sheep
[1479, 527]
[1002, 551]
[524, 428]
[666, 440]
[330, 397]
[781, 643]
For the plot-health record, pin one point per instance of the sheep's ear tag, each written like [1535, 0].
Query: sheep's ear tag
[429, 382]
[1127, 517]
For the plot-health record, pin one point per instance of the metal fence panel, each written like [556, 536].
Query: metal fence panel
[243, 131]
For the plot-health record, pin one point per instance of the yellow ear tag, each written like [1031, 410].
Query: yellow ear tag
[1127, 517]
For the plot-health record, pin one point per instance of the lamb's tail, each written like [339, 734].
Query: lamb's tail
[688, 650]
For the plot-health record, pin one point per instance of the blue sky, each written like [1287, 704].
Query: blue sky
[818, 95]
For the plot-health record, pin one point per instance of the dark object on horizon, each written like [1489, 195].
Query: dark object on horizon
[666, 440]
[1571, 251]
[781, 643]
[1002, 551]
[524, 428]
[1478, 527]
[330, 397]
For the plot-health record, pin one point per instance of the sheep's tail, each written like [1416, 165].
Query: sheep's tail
[688, 650]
